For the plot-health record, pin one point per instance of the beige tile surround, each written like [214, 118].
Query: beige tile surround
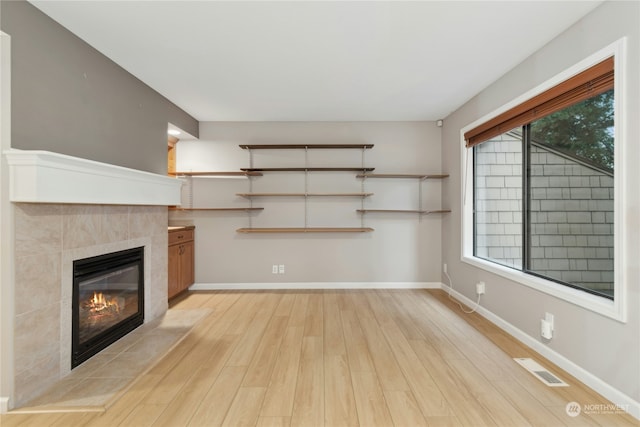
[48, 237]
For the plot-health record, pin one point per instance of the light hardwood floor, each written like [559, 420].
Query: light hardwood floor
[339, 358]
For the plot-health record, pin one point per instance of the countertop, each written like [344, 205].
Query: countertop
[180, 227]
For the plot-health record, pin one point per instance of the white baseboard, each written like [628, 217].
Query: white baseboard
[314, 285]
[614, 395]
[4, 405]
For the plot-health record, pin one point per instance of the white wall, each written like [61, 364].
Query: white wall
[402, 248]
[606, 348]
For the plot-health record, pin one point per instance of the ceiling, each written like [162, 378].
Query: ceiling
[317, 61]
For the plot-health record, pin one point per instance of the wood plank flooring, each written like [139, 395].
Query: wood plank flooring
[339, 358]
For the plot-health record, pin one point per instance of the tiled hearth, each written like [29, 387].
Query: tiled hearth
[101, 380]
[48, 237]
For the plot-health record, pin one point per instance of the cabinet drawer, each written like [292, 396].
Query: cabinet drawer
[180, 236]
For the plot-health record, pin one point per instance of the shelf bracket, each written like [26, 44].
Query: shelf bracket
[362, 163]
[306, 185]
[420, 198]
[250, 188]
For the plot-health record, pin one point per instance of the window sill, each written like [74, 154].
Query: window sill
[594, 303]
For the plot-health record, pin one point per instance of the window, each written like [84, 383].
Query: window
[498, 200]
[543, 185]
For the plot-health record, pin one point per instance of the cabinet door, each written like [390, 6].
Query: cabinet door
[187, 272]
[173, 278]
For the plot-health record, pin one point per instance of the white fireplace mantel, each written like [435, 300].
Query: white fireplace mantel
[45, 177]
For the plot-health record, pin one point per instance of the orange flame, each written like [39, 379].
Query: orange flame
[99, 302]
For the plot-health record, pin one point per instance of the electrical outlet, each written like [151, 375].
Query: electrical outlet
[281, 269]
[549, 318]
[274, 269]
[546, 329]
[444, 267]
[480, 288]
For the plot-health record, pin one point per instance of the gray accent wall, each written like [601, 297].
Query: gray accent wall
[69, 98]
[607, 348]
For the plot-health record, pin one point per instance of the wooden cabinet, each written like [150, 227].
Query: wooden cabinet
[181, 272]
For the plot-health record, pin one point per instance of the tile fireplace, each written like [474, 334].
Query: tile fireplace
[57, 217]
[50, 237]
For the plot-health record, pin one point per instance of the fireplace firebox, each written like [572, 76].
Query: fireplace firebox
[108, 301]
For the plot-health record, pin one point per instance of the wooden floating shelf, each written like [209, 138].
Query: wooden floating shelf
[400, 175]
[304, 146]
[422, 212]
[252, 170]
[306, 230]
[235, 173]
[217, 209]
[304, 194]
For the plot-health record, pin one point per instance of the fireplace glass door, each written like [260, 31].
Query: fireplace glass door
[108, 300]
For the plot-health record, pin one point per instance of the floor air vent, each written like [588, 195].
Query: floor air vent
[540, 372]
